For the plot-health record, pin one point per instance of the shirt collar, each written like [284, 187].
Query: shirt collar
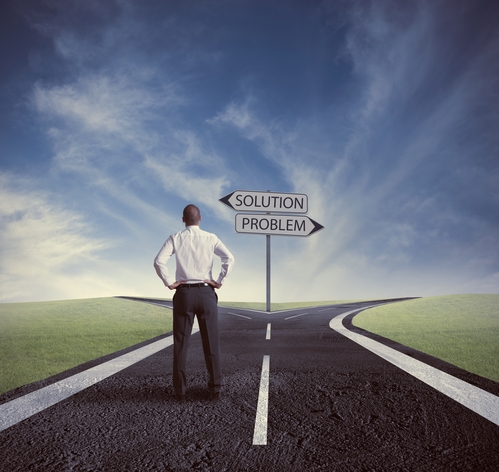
[192, 228]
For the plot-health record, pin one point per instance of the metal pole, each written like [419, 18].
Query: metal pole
[268, 272]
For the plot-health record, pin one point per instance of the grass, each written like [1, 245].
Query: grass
[460, 329]
[41, 339]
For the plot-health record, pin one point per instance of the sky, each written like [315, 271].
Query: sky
[116, 114]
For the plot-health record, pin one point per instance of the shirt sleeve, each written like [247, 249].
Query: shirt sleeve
[227, 260]
[161, 259]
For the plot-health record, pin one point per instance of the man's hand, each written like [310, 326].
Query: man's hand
[174, 285]
[212, 283]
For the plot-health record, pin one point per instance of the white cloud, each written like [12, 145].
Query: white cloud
[109, 106]
[109, 127]
[40, 239]
[178, 180]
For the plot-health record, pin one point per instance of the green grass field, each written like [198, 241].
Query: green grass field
[41, 339]
[460, 329]
[38, 340]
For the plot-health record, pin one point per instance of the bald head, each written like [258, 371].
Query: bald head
[191, 215]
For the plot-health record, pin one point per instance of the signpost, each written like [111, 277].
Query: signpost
[269, 223]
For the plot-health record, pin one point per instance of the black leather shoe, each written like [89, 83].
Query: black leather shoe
[180, 398]
[215, 396]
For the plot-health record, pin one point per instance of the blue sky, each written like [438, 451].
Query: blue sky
[116, 114]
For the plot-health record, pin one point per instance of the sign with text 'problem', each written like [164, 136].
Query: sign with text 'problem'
[282, 225]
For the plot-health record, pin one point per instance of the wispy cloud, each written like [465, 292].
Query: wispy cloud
[113, 127]
[385, 113]
[103, 106]
[388, 198]
[40, 238]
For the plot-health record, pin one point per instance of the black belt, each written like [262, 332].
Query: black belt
[201, 284]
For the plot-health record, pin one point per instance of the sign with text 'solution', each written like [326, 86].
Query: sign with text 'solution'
[282, 225]
[272, 202]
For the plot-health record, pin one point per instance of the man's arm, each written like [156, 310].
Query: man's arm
[160, 264]
[227, 263]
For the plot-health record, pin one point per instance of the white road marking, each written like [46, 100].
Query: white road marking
[148, 302]
[242, 316]
[160, 304]
[267, 336]
[261, 311]
[260, 432]
[295, 316]
[23, 407]
[480, 401]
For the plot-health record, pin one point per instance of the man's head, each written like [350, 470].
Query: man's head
[191, 215]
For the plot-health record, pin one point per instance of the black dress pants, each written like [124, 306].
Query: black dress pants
[196, 300]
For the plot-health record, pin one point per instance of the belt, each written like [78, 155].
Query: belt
[201, 284]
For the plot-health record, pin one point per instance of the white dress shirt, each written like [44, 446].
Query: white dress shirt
[193, 249]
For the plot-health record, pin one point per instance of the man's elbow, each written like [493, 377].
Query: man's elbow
[157, 262]
[157, 266]
[229, 261]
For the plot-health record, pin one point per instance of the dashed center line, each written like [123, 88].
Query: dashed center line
[267, 336]
[295, 316]
[262, 409]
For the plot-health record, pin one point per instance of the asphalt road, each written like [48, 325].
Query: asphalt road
[332, 405]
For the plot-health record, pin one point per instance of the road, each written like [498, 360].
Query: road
[330, 405]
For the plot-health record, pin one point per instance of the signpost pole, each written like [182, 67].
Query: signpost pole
[272, 221]
[268, 268]
[268, 273]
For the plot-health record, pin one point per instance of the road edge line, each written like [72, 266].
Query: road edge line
[22, 408]
[474, 398]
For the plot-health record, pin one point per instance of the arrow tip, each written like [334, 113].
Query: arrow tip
[317, 226]
[226, 200]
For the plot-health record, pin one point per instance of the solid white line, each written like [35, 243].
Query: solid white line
[242, 316]
[295, 316]
[480, 401]
[260, 432]
[267, 336]
[23, 407]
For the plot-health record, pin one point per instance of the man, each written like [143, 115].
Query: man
[195, 295]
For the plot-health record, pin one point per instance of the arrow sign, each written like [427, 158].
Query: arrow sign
[292, 225]
[243, 200]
